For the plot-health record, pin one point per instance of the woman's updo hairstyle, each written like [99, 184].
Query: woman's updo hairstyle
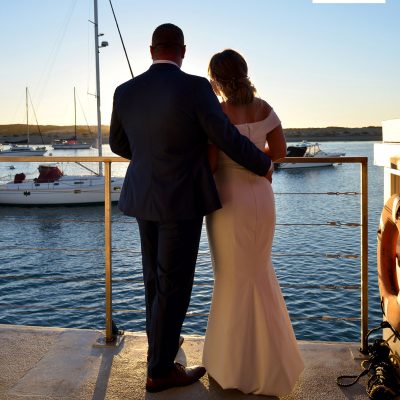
[229, 70]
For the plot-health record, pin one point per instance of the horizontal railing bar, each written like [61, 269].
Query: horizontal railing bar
[100, 222]
[299, 286]
[47, 308]
[308, 318]
[113, 159]
[55, 279]
[327, 255]
[94, 250]
[321, 193]
[322, 287]
[110, 159]
[325, 318]
[189, 314]
[329, 223]
[342, 160]
[140, 281]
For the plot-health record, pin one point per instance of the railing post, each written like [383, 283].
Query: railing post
[364, 255]
[107, 250]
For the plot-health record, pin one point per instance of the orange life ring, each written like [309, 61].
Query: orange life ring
[388, 261]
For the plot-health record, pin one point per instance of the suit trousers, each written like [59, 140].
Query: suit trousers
[169, 253]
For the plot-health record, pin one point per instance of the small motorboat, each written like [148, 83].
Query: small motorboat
[307, 150]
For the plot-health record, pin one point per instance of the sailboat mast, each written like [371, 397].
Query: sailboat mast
[75, 112]
[27, 112]
[96, 43]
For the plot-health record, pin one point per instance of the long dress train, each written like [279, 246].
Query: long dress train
[250, 344]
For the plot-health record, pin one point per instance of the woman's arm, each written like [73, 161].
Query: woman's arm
[275, 147]
[213, 157]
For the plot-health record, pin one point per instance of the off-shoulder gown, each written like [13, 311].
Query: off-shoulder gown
[250, 344]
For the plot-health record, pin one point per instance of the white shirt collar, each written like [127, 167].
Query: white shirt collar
[165, 62]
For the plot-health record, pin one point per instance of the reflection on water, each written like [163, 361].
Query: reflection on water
[52, 269]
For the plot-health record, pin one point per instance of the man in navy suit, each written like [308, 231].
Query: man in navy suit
[162, 121]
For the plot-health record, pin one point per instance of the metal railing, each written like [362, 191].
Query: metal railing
[110, 333]
[363, 162]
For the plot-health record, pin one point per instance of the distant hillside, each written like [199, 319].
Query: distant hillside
[334, 133]
[51, 132]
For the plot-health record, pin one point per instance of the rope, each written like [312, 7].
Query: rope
[382, 365]
[328, 223]
[34, 113]
[325, 318]
[141, 282]
[190, 314]
[328, 193]
[133, 251]
[122, 40]
[134, 222]
[84, 115]
[45, 75]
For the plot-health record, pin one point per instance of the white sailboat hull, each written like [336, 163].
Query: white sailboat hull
[67, 190]
[303, 165]
[77, 146]
[21, 153]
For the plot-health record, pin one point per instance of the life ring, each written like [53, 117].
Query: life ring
[388, 261]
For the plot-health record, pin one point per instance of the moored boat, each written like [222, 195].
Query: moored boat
[22, 151]
[52, 187]
[19, 150]
[67, 144]
[71, 143]
[307, 150]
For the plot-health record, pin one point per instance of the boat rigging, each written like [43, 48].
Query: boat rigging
[52, 187]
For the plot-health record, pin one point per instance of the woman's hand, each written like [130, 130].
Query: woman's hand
[270, 172]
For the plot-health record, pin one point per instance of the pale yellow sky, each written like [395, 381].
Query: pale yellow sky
[318, 65]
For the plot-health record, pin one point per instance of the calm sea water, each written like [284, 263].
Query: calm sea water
[52, 260]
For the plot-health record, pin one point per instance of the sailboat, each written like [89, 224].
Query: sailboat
[72, 143]
[52, 186]
[17, 150]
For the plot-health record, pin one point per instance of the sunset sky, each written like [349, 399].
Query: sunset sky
[318, 65]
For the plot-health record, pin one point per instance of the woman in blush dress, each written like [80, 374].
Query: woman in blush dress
[250, 344]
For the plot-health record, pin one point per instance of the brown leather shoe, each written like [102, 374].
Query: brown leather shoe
[178, 376]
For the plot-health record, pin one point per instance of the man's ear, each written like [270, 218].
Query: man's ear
[152, 52]
[183, 51]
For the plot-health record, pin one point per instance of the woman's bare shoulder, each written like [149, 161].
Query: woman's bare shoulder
[262, 107]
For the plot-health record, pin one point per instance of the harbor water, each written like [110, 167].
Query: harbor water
[52, 258]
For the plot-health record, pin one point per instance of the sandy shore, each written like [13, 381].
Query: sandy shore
[51, 132]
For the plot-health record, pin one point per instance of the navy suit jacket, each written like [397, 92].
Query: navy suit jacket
[162, 121]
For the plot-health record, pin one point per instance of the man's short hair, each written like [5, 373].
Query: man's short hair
[167, 36]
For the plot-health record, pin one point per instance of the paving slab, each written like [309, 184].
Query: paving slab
[56, 363]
